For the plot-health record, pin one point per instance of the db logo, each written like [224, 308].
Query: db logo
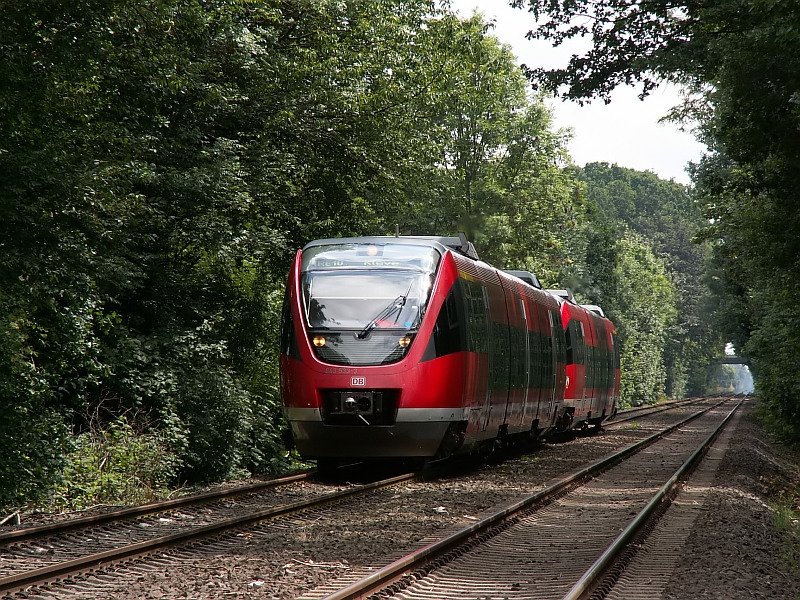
[358, 381]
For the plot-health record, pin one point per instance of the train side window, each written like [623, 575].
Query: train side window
[580, 344]
[538, 365]
[533, 359]
[288, 340]
[569, 348]
[544, 367]
[476, 304]
[500, 359]
[520, 358]
[559, 344]
[448, 336]
[451, 308]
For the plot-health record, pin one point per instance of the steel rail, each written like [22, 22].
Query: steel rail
[659, 408]
[92, 562]
[27, 533]
[640, 408]
[393, 572]
[599, 567]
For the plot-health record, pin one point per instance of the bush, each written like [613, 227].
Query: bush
[113, 464]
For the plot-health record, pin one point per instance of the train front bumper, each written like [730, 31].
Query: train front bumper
[415, 433]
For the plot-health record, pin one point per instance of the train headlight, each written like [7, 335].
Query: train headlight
[404, 341]
[319, 341]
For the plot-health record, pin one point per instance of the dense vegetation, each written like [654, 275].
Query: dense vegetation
[650, 277]
[160, 161]
[741, 60]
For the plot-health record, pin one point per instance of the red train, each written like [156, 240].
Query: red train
[413, 347]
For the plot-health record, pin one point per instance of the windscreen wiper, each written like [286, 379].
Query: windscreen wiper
[395, 304]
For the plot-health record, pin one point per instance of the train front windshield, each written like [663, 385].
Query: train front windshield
[366, 300]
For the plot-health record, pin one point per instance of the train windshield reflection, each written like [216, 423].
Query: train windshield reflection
[350, 286]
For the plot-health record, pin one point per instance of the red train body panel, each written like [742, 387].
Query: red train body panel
[412, 347]
[592, 364]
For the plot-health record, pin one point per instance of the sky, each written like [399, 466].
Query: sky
[625, 132]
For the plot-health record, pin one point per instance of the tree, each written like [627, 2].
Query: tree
[492, 165]
[158, 162]
[632, 285]
[666, 214]
[740, 58]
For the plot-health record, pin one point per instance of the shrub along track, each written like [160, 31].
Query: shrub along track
[289, 555]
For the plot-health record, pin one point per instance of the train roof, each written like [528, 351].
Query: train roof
[595, 309]
[565, 294]
[527, 277]
[458, 244]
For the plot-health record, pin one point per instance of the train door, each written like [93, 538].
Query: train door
[550, 360]
[602, 371]
[591, 397]
[476, 309]
[575, 348]
[499, 359]
[535, 361]
[582, 364]
[558, 344]
[616, 367]
[606, 360]
[514, 419]
[529, 409]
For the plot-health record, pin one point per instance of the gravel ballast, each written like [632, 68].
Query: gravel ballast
[735, 549]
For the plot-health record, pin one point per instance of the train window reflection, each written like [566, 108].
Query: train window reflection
[353, 300]
[370, 256]
[367, 286]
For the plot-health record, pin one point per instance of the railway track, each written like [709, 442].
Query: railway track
[557, 543]
[60, 527]
[76, 562]
[45, 554]
[644, 565]
[638, 412]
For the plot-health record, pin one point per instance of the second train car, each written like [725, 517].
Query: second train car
[413, 347]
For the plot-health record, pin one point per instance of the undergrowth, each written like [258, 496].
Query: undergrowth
[114, 464]
[786, 515]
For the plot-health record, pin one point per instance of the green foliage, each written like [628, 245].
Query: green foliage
[149, 155]
[489, 162]
[159, 163]
[750, 186]
[115, 465]
[723, 380]
[636, 293]
[667, 215]
[160, 160]
[741, 61]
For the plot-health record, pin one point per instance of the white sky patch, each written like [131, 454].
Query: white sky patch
[626, 131]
